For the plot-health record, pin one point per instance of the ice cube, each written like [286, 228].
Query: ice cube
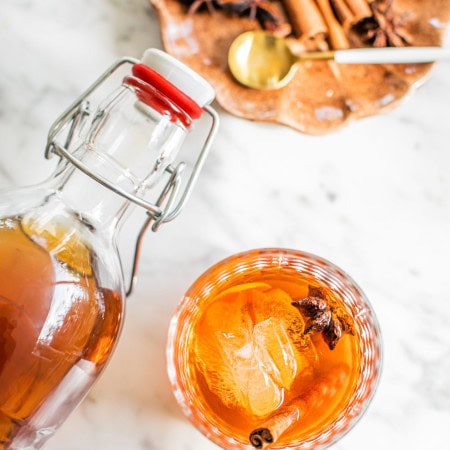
[245, 351]
[277, 353]
[253, 388]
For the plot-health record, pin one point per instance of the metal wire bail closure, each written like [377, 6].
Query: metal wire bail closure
[171, 199]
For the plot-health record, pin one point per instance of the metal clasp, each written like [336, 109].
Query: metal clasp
[170, 201]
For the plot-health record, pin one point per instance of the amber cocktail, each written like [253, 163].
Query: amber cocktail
[274, 348]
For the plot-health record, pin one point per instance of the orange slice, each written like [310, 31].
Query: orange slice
[62, 242]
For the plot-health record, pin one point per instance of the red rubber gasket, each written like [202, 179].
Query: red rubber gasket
[154, 98]
[178, 97]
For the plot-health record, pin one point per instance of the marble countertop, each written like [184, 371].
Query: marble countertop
[374, 198]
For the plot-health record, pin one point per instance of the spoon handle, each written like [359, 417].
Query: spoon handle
[394, 55]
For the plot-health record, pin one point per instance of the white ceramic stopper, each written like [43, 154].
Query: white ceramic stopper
[184, 78]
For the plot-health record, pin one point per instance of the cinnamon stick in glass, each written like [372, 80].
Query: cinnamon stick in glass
[325, 388]
[270, 431]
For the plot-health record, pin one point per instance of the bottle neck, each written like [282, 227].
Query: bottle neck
[93, 203]
[129, 144]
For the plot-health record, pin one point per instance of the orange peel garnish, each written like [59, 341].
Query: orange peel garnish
[243, 287]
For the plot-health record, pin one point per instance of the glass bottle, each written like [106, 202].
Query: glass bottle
[61, 283]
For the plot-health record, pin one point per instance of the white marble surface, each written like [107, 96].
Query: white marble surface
[374, 198]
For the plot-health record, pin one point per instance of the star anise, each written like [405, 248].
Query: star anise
[324, 315]
[197, 5]
[270, 14]
[273, 20]
[265, 11]
[385, 28]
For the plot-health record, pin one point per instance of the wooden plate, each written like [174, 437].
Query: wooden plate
[323, 96]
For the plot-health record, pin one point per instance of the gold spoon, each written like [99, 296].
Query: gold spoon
[260, 60]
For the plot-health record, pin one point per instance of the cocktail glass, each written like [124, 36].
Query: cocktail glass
[274, 348]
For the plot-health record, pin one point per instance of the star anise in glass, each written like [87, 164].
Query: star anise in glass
[385, 28]
[324, 315]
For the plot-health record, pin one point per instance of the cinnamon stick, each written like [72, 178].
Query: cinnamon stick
[343, 12]
[326, 386]
[270, 431]
[305, 17]
[338, 38]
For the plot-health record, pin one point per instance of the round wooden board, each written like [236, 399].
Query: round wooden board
[323, 96]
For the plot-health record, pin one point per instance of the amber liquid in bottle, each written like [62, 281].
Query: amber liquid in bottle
[57, 326]
[252, 360]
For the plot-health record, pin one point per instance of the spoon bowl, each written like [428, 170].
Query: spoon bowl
[260, 60]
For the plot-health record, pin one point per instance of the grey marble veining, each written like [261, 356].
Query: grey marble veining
[373, 198]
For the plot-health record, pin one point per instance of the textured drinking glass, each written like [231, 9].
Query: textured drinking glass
[318, 392]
